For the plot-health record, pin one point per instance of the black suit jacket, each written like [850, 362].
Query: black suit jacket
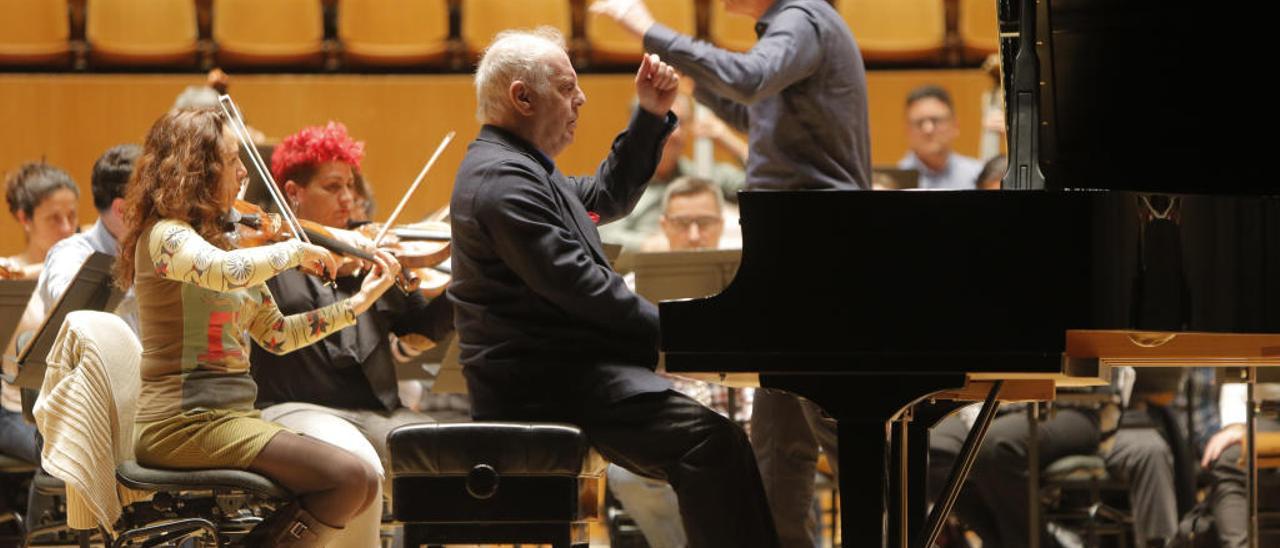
[541, 317]
[350, 369]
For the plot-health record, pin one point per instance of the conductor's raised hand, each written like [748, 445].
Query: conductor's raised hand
[631, 15]
[657, 85]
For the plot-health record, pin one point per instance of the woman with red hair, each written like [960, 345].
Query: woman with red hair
[344, 390]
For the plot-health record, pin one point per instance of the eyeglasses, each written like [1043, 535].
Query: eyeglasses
[704, 222]
[936, 121]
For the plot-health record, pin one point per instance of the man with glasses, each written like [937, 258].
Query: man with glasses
[931, 128]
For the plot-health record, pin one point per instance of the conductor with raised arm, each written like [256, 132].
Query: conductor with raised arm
[548, 331]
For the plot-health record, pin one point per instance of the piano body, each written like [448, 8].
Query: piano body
[1122, 235]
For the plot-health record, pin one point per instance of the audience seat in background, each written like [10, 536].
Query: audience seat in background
[141, 32]
[256, 33]
[394, 32]
[34, 32]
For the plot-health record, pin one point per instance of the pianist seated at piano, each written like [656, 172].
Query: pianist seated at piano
[547, 330]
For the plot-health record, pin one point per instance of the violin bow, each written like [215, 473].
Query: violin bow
[412, 188]
[242, 134]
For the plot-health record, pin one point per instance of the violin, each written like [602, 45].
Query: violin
[419, 245]
[254, 227]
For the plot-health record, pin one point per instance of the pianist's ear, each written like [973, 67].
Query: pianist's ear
[521, 97]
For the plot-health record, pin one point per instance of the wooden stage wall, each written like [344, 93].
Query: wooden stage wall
[71, 119]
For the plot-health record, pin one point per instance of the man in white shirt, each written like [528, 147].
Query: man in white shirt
[931, 130]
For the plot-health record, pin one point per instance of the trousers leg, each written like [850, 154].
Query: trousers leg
[786, 449]
[651, 504]
[1229, 499]
[705, 457]
[999, 475]
[18, 437]
[1142, 456]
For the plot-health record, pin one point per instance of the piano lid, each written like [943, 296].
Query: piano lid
[1142, 95]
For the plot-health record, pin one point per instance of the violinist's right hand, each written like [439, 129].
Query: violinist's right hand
[385, 270]
[318, 261]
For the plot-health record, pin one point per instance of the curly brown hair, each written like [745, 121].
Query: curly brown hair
[177, 177]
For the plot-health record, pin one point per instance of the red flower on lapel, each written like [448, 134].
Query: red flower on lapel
[595, 217]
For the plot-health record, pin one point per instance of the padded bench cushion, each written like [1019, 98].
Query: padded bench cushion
[136, 476]
[511, 449]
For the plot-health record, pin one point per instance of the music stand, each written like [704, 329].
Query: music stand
[14, 296]
[892, 178]
[92, 289]
[684, 274]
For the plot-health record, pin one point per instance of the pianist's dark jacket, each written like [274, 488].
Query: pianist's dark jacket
[542, 319]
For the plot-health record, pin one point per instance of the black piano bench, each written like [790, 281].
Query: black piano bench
[494, 483]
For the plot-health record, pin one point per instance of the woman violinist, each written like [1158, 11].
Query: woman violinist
[197, 296]
[343, 390]
[43, 199]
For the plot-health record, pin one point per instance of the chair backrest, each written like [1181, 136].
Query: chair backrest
[897, 30]
[730, 30]
[33, 31]
[141, 31]
[253, 32]
[86, 411]
[979, 27]
[610, 43]
[482, 19]
[394, 31]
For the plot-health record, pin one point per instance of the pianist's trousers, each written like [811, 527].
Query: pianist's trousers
[995, 498]
[786, 432]
[668, 436]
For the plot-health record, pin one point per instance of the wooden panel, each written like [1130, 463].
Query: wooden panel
[71, 119]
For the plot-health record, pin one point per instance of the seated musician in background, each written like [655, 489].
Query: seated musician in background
[43, 200]
[638, 229]
[110, 176]
[343, 389]
[197, 298]
[992, 173]
[931, 130]
[1223, 458]
[994, 500]
[548, 331]
[801, 94]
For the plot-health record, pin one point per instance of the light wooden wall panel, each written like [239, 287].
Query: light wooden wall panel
[71, 119]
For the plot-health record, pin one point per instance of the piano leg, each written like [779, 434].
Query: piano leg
[863, 407]
[924, 416]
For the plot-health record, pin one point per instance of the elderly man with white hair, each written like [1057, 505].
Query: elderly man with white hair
[548, 331]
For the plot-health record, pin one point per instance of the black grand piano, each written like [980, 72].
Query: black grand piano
[1137, 225]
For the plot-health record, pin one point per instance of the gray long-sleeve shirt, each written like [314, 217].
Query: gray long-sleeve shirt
[800, 93]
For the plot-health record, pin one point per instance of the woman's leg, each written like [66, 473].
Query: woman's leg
[332, 484]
